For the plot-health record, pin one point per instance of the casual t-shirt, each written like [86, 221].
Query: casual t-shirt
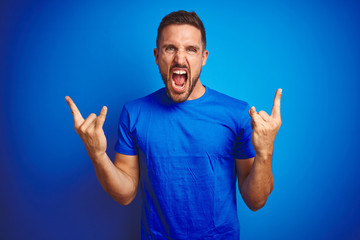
[187, 155]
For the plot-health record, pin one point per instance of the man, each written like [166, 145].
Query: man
[185, 144]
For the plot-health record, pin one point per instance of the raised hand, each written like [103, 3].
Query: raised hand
[265, 127]
[90, 130]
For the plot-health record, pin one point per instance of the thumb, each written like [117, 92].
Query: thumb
[255, 117]
[101, 118]
[252, 112]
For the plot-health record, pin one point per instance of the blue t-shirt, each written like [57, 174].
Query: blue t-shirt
[187, 157]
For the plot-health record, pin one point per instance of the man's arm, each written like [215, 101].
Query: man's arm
[119, 179]
[255, 176]
[255, 181]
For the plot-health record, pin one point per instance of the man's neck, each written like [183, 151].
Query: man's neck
[198, 91]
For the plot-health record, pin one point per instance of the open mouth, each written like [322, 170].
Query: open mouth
[179, 79]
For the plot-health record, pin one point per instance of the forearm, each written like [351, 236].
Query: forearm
[119, 185]
[119, 181]
[258, 185]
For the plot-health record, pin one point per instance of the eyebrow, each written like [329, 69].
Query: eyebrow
[186, 47]
[193, 46]
[169, 45]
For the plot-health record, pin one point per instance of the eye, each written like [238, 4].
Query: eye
[170, 49]
[192, 50]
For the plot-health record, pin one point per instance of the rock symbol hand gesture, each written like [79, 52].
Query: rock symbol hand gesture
[265, 127]
[90, 130]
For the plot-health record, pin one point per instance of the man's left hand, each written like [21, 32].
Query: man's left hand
[265, 127]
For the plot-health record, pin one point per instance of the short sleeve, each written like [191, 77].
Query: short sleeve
[125, 143]
[243, 147]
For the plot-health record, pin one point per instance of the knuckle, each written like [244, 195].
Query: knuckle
[88, 131]
[82, 129]
[98, 132]
[277, 122]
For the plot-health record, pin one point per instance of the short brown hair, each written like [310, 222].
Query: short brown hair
[182, 17]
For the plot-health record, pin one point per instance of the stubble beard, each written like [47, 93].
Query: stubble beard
[167, 81]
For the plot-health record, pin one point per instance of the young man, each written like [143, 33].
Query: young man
[186, 144]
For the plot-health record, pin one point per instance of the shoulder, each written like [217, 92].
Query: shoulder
[148, 101]
[229, 110]
[227, 102]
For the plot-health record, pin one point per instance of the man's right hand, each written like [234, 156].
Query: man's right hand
[90, 130]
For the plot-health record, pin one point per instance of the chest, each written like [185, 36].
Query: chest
[181, 133]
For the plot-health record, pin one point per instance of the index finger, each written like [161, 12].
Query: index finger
[276, 106]
[78, 119]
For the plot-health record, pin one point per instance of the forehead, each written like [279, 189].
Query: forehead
[180, 34]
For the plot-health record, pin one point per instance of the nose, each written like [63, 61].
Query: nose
[180, 58]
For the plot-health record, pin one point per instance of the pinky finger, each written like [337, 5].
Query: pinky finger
[101, 118]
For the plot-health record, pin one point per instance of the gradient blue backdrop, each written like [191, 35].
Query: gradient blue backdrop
[101, 53]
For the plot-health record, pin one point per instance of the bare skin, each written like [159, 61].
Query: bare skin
[119, 179]
[255, 176]
[180, 49]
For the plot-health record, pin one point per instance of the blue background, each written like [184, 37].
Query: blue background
[101, 53]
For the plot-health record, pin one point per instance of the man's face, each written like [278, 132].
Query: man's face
[180, 58]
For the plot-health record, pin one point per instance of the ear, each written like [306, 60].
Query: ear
[205, 55]
[156, 55]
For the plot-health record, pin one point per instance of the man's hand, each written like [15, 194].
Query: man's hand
[90, 130]
[265, 127]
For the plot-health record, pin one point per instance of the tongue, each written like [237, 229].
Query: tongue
[179, 79]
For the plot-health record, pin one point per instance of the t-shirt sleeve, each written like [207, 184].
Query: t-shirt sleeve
[125, 143]
[243, 147]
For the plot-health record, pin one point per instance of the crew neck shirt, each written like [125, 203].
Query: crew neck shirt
[187, 155]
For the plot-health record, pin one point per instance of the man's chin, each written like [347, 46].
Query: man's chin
[178, 97]
[175, 94]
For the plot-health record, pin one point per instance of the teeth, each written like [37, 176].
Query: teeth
[181, 72]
